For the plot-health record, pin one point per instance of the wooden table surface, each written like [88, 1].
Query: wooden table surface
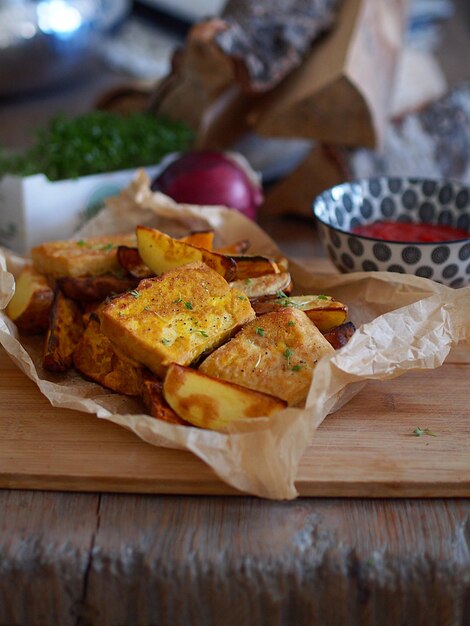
[117, 560]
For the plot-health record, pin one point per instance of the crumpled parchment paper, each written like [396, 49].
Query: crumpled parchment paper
[404, 323]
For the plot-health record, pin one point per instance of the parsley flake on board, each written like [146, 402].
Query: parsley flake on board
[419, 432]
[259, 331]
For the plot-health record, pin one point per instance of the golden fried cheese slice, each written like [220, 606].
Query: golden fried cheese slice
[175, 317]
[276, 354]
[85, 257]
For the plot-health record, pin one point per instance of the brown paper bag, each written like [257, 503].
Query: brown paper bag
[341, 93]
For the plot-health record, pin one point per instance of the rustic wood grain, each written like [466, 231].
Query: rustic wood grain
[144, 560]
[45, 548]
[310, 563]
[366, 449]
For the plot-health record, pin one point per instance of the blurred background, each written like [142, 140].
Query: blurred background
[62, 55]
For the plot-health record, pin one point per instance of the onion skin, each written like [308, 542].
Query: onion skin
[211, 178]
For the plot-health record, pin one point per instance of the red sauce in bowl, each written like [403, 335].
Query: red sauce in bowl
[404, 231]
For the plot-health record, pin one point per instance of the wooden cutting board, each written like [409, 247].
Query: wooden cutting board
[366, 449]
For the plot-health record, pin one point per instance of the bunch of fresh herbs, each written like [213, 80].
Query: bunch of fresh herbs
[98, 142]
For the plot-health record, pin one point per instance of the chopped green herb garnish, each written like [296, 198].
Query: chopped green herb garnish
[287, 355]
[419, 432]
[241, 298]
[81, 243]
[247, 281]
[290, 323]
[107, 247]
[296, 368]
[285, 301]
[259, 331]
[147, 308]
[165, 342]
[187, 304]
[323, 298]
[121, 314]
[134, 293]
[200, 332]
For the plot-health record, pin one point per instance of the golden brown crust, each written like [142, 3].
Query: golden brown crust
[95, 358]
[65, 330]
[177, 317]
[275, 354]
[90, 257]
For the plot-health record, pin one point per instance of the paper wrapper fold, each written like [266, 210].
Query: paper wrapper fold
[404, 323]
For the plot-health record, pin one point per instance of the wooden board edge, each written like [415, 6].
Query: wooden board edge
[337, 489]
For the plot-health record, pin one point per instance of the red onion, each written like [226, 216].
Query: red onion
[211, 178]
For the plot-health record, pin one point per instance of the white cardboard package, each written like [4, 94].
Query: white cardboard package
[33, 209]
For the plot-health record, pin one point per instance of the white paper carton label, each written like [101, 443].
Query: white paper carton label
[34, 209]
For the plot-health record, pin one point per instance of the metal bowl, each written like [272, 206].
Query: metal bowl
[48, 41]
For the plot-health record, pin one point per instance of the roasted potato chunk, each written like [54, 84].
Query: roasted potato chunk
[340, 335]
[201, 239]
[253, 266]
[325, 312]
[275, 353]
[93, 288]
[152, 396]
[90, 257]
[65, 330]
[264, 286]
[214, 404]
[96, 359]
[129, 259]
[163, 253]
[31, 304]
[177, 317]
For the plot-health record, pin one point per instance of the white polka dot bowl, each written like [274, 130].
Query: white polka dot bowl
[341, 209]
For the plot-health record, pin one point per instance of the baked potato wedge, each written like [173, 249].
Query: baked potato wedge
[324, 311]
[96, 359]
[264, 286]
[152, 396]
[31, 304]
[253, 266]
[177, 316]
[200, 238]
[130, 261]
[211, 403]
[275, 354]
[93, 288]
[65, 330]
[340, 335]
[163, 253]
[89, 257]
